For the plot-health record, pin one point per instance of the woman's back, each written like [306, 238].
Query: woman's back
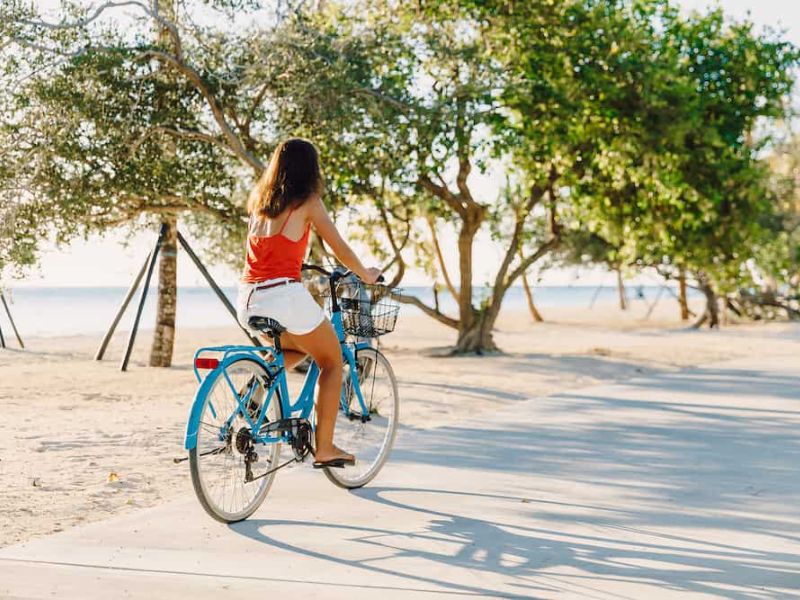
[276, 247]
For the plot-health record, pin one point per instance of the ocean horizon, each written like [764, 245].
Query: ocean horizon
[59, 311]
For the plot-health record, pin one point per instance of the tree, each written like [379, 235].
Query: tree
[102, 138]
[694, 197]
[435, 97]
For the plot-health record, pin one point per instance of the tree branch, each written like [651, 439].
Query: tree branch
[515, 245]
[431, 312]
[85, 21]
[441, 191]
[235, 143]
[442, 266]
[183, 134]
[402, 106]
[527, 262]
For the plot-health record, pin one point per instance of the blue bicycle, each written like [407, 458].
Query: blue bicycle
[242, 413]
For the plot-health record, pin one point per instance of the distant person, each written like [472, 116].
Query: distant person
[283, 206]
[640, 292]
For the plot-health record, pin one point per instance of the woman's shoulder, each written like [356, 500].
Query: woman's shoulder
[314, 206]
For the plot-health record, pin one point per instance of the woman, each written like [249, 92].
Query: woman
[283, 206]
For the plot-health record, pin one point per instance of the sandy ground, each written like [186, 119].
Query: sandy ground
[80, 442]
[675, 484]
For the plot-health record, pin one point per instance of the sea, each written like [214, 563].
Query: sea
[64, 311]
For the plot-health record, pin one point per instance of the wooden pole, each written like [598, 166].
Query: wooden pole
[122, 308]
[11, 320]
[2, 339]
[220, 294]
[123, 366]
[653, 305]
[623, 297]
[682, 296]
[594, 297]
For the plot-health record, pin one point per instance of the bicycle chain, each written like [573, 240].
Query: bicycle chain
[300, 432]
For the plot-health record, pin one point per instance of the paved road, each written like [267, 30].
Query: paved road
[672, 486]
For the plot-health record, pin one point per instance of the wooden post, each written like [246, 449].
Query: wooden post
[684, 304]
[623, 297]
[220, 294]
[11, 320]
[595, 295]
[123, 366]
[122, 308]
[653, 305]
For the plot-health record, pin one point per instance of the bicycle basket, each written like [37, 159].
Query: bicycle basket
[368, 310]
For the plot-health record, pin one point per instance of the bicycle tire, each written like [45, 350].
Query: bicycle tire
[356, 477]
[195, 455]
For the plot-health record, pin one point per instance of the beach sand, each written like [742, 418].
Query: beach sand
[80, 441]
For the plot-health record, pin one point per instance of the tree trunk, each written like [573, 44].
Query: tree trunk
[476, 339]
[472, 333]
[711, 313]
[537, 317]
[164, 335]
[466, 310]
[623, 299]
[682, 300]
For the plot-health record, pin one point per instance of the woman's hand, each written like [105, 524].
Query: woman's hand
[370, 275]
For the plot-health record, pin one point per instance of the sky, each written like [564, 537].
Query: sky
[110, 262]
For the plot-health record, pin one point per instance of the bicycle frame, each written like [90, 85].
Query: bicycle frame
[302, 407]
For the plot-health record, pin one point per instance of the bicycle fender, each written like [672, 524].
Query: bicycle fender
[193, 424]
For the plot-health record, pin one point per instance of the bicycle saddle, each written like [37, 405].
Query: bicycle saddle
[266, 325]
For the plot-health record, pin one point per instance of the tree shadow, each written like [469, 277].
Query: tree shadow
[523, 553]
[715, 460]
[713, 451]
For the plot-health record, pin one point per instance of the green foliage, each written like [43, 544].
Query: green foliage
[679, 183]
[624, 130]
[104, 137]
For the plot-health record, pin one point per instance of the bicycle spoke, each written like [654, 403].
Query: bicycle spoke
[370, 439]
[221, 466]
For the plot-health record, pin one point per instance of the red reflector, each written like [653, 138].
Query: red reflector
[206, 363]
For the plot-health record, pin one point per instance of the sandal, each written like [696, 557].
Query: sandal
[339, 462]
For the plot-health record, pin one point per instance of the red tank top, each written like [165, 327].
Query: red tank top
[274, 256]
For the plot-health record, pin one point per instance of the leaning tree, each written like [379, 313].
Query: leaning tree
[159, 116]
[128, 122]
[100, 140]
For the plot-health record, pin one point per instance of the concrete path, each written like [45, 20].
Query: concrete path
[683, 485]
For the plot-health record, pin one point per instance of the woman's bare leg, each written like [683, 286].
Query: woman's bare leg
[292, 353]
[323, 345]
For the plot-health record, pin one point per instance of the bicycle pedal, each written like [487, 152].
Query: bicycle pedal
[337, 463]
[355, 416]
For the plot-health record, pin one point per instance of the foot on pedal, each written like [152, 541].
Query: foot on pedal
[338, 463]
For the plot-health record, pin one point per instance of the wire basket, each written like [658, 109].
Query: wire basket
[368, 311]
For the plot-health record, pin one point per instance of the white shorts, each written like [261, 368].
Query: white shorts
[291, 305]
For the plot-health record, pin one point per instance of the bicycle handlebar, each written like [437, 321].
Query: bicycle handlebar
[318, 269]
[333, 276]
[333, 279]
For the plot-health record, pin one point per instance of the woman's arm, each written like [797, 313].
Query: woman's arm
[319, 217]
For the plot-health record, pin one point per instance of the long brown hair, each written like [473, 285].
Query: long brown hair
[291, 178]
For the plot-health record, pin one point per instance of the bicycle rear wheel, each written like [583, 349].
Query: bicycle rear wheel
[370, 439]
[219, 462]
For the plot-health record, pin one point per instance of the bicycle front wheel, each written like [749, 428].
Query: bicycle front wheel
[370, 438]
[225, 453]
